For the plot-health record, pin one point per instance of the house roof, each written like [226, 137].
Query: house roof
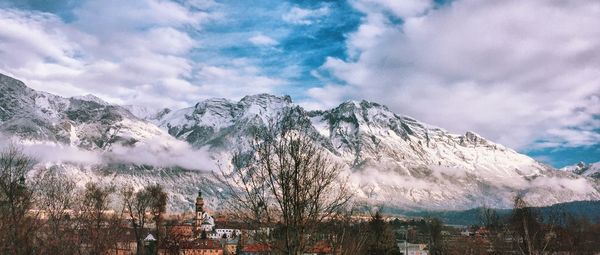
[201, 244]
[181, 230]
[149, 237]
[256, 247]
[320, 248]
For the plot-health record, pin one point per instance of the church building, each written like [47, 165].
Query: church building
[203, 222]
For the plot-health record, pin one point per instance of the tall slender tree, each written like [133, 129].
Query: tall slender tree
[436, 245]
[158, 207]
[381, 239]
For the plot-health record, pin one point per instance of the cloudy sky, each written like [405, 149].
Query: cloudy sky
[523, 73]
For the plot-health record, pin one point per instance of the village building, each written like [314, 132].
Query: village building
[407, 248]
[203, 222]
[320, 248]
[256, 249]
[231, 246]
[197, 247]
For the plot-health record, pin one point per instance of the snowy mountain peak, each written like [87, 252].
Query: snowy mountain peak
[475, 139]
[353, 106]
[584, 169]
[264, 99]
[151, 114]
[389, 158]
[264, 105]
[214, 102]
[7, 82]
[91, 98]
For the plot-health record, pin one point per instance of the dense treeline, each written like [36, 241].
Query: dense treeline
[587, 209]
[523, 230]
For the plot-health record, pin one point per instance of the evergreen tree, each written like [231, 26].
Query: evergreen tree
[382, 240]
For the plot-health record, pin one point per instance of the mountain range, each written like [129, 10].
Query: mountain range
[391, 160]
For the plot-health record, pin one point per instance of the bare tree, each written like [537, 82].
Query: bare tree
[158, 206]
[346, 234]
[286, 179]
[150, 201]
[98, 226]
[436, 242]
[16, 198]
[57, 198]
[527, 225]
[135, 205]
[488, 218]
[172, 241]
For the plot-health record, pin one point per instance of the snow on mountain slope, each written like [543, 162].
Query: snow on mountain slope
[91, 98]
[91, 140]
[220, 123]
[394, 160]
[364, 132]
[147, 113]
[86, 122]
[583, 169]
[391, 159]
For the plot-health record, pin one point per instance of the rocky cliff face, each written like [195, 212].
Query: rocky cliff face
[391, 159]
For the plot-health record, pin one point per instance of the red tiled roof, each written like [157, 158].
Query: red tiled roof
[320, 248]
[256, 247]
[203, 244]
[182, 230]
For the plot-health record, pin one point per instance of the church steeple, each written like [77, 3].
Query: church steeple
[199, 213]
[199, 204]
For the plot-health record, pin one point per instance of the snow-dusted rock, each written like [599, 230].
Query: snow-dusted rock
[391, 159]
[583, 169]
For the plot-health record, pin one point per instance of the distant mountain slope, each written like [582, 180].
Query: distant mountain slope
[395, 160]
[85, 122]
[147, 113]
[583, 169]
[90, 140]
[391, 159]
[587, 209]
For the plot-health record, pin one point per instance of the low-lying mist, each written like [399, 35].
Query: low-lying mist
[154, 152]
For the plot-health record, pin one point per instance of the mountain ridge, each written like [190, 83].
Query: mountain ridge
[584, 169]
[391, 159]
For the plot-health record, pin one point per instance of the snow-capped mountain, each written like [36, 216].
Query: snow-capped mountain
[391, 159]
[90, 140]
[86, 122]
[147, 113]
[395, 160]
[583, 169]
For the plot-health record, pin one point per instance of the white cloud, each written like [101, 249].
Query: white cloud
[262, 40]
[117, 62]
[47, 152]
[133, 52]
[158, 152]
[513, 71]
[579, 185]
[323, 98]
[162, 152]
[405, 8]
[202, 4]
[236, 81]
[300, 16]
